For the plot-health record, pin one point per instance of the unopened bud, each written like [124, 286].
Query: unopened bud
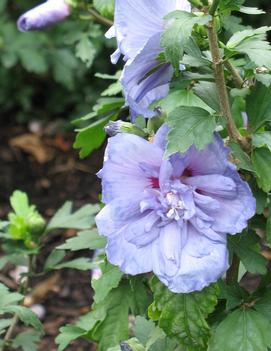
[44, 15]
[36, 224]
[114, 128]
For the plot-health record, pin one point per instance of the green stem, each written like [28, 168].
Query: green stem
[214, 7]
[100, 18]
[233, 271]
[238, 80]
[222, 88]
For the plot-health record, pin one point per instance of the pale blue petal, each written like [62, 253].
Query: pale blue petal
[202, 262]
[138, 20]
[122, 173]
[44, 15]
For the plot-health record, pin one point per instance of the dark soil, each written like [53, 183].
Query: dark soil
[49, 184]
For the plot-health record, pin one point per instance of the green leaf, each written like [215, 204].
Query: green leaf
[253, 43]
[110, 279]
[68, 334]
[113, 89]
[114, 328]
[251, 10]
[208, 93]
[268, 229]
[20, 204]
[262, 140]
[246, 247]
[143, 329]
[88, 239]
[189, 126]
[234, 294]
[181, 98]
[261, 161]
[178, 33]
[82, 263]
[53, 259]
[263, 305]
[264, 78]
[81, 219]
[242, 160]
[259, 114]
[183, 316]
[25, 315]
[8, 298]
[27, 341]
[140, 296]
[85, 50]
[4, 324]
[242, 330]
[105, 7]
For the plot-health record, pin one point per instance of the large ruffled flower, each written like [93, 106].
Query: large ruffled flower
[171, 216]
[138, 27]
[44, 15]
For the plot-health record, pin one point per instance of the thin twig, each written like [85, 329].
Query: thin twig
[100, 18]
[238, 80]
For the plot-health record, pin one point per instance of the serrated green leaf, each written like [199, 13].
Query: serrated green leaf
[26, 340]
[25, 315]
[143, 329]
[110, 279]
[5, 323]
[264, 78]
[234, 294]
[207, 91]
[85, 50]
[68, 334]
[181, 98]
[251, 10]
[261, 161]
[189, 126]
[242, 330]
[258, 114]
[88, 239]
[82, 263]
[80, 219]
[53, 259]
[246, 247]
[239, 37]
[262, 140]
[242, 160]
[178, 33]
[117, 305]
[8, 298]
[253, 43]
[183, 316]
[263, 305]
[105, 7]
[20, 204]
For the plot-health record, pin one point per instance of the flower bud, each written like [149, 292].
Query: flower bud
[114, 128]
[36, 224]
[44, 15]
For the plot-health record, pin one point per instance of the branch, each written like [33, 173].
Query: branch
[222, 88]
[238, 80]
[100, 18]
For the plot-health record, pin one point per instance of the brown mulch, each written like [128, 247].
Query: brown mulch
[50, 171]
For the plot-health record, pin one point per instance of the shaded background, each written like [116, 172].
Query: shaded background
[44, 85]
